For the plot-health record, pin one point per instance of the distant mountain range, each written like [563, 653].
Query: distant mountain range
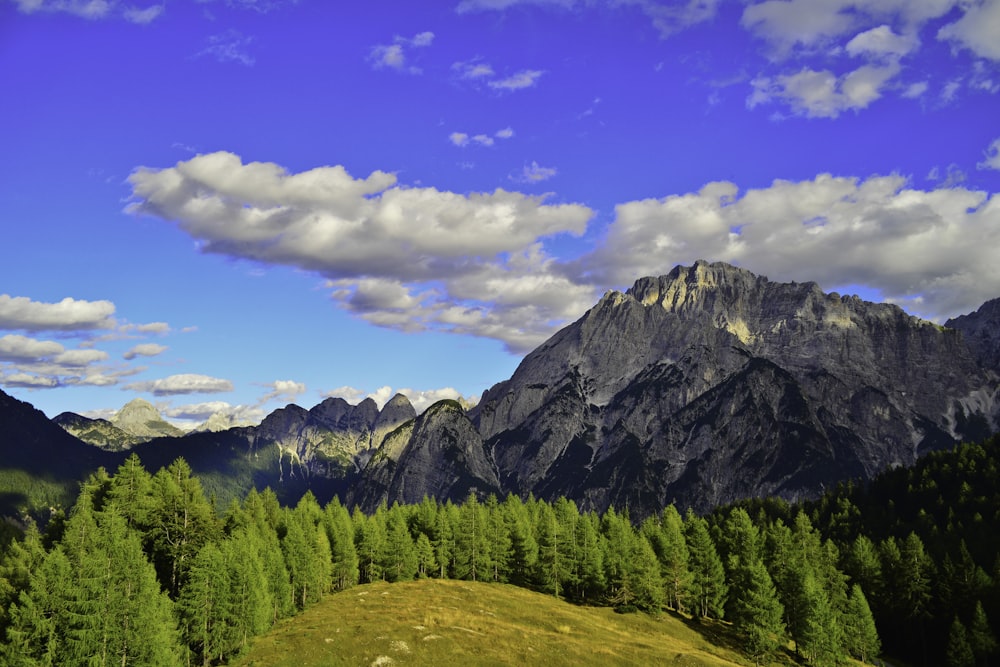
[702, 386]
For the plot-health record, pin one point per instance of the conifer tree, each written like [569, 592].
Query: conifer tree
[708, 574]
[862, 565]
[444, 539]
[181, 521]
[426, 563]
[340, 533]
[756, 610]
[253, 610]
[369, 543]
[958, 652]
[523, 547]
[820, 640]
[21, 558]
[588, 566]
[498, 539]
[980, 634]
[861, 638]
[399, 560]
[551, 559]
[131, 492]
[205, 606]
[471, 546]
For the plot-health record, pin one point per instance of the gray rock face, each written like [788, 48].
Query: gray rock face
[332, 440]
[140, 418]
[982, 333]
[98, 432]
[439, 455]
[711, 384]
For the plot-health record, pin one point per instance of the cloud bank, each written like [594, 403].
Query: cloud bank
[416, 259]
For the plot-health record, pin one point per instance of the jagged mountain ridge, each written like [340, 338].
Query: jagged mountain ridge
[699, 387]
[711, 384]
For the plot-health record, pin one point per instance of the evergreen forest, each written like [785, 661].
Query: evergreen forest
[146, 570]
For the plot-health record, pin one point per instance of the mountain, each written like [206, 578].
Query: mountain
[701, 387]
[40, 464]
[982, 333]
[98, 432]
[140, 418]
[711, 384]
[137, 421]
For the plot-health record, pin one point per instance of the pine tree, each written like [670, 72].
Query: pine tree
[205, 606]
[369, 543]
[253, 612]
[340, 533]
[959, 653]
[861, 638]
[181, 521]
[862, 565]
[426, 563]
[498, 539]
[444, 539]
[588, 566]
[820, 639]
[472, 550]
[756, 610]
[131, 492]
[21, 558]
[708, 573]
[523, 548]
[399, 560]
[551, 559]
[980, 634]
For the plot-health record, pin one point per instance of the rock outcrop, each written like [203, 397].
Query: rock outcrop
[712, 384]
[98, 432]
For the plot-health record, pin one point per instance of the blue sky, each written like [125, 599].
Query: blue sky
[232, 205]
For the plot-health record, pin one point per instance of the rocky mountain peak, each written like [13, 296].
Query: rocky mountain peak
[981, 330]
[139, 418]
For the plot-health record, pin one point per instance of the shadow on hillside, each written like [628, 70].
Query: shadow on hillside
[722, 634]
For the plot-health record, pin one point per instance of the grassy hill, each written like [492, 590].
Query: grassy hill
[443, 622]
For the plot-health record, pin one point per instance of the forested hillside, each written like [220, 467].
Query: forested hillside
[146, 571]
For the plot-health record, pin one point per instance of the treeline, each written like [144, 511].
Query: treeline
[145, 570]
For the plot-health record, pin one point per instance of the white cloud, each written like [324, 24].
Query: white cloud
[977, 30]
[932, 251]
[822, 94]
[144, 16]
[393, 56]
[523, 79]
[473, 69]
[991, 155]
[28, 381]
[534, 173]
[460, 139]
[466, 6]
[915, 90]
[21, 348]
[88, 9]
[193, 414]
[145, 350]
[286, 390]
[505, 133]
[882, 41]
[67, 315]
[230, 46]
[185, 383]
[79, 358]
[153, 327]
[789, 25]
[394, 255]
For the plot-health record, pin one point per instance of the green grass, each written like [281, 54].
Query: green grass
[440, 622]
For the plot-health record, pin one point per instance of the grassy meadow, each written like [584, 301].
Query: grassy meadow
[445, 622]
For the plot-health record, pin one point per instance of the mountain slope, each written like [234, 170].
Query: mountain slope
[711, 384]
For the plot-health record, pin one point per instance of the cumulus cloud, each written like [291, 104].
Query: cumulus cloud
[21, 313]
[145, 15]
[932, 251]
[184, 383]
[473, 70]
[396, 256]
[882, 42]
[79, 358]
[393, 56]
[976, 30]
[534, 173]
[28, 381]
[459, 139]
[991, 156]
[145, 350]
[462, 139]
[193, 414]
[286, 390]
[822, 94]
[523, 79]
[22, 348]
[88, 9]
